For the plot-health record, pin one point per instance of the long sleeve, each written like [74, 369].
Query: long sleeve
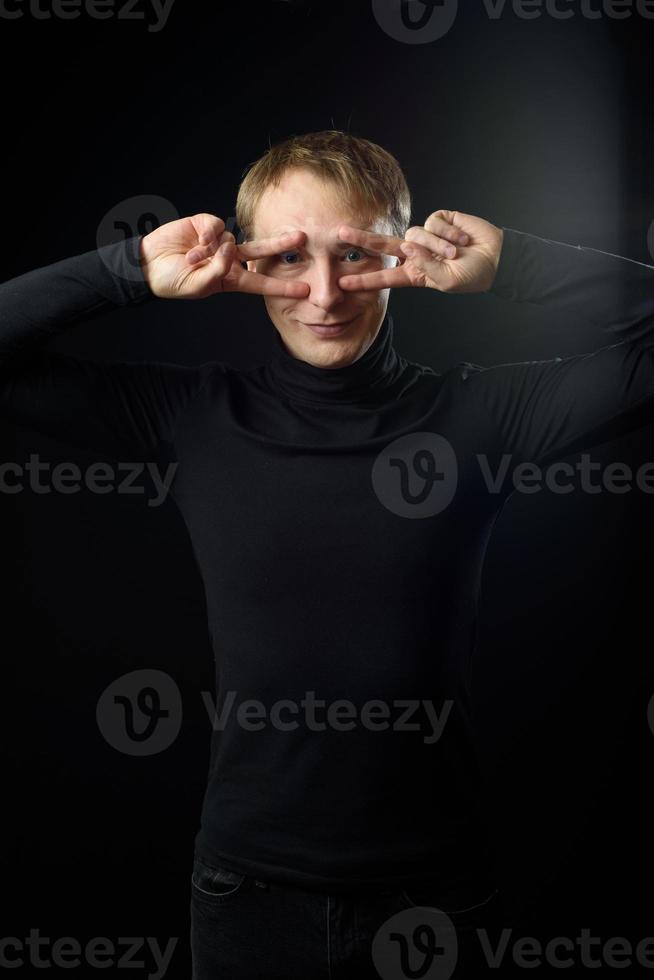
[121, 409]
[539, 411]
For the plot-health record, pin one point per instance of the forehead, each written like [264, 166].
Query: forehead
[303, 201]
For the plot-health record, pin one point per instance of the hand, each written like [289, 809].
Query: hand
[453, 252]
[195, 257]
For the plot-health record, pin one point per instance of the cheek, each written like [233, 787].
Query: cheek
[280, 310]
[375, 304]
[275, 304]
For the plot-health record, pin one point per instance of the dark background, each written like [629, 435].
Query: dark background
[543, 125]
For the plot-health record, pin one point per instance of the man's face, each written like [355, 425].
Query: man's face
[304, 202]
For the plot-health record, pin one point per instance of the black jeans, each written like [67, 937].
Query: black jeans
[243, 928]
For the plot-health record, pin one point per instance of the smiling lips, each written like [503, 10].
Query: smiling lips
[329, 329]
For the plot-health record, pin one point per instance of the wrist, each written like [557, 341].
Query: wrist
[497, 254]
[508, 271]
[145, 258]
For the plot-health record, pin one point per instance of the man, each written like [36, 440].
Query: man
[339, 518]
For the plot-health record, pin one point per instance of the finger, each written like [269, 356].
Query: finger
[210, 275]
[442, 223]
[208, 227]
[256, 282]
[199, 253]
[426, 267]
[271, 246]
[372, 240]
[383, 279]
[432, 243]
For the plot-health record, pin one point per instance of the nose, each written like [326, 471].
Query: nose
[323, 282]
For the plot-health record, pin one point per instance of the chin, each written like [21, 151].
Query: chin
[325, 352]
[330, 354]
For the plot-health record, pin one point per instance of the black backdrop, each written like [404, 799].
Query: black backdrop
[540, 124]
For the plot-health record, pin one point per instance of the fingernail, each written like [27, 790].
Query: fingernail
[450, 251]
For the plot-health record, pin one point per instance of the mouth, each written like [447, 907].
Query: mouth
[329, 329]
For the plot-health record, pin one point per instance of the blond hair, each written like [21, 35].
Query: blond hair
[367, 177]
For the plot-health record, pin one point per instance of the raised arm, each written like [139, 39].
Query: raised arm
[123, 408]
[614, 293]
[546, 409]
[535, 410]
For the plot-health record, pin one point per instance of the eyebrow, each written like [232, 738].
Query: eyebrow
[337, 246]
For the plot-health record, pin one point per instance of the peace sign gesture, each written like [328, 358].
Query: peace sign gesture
[452, 252]
[195, 257]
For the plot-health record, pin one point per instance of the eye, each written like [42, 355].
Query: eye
[351, 255]
[356, 251]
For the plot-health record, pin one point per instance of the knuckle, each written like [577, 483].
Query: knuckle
[436, 223]
[413, 233]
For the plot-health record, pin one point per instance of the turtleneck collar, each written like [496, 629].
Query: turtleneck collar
[364, 381]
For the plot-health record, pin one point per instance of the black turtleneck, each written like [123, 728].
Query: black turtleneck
[377, 375]
[339, 519]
